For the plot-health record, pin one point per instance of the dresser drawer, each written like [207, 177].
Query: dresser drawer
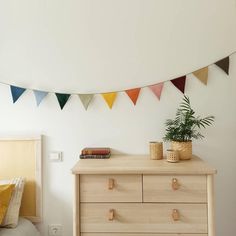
[180, 188]
[143, 218]
[121, 234]
[111, 188]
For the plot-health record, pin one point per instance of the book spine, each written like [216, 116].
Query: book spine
[95, 152]
[94, 156]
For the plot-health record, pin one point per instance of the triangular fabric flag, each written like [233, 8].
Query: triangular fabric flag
[39, 96]
[86, 99]
[179, 83]
[202, 75]
[133, 94]
[224, 65]
[157, 89]
[109, 98]
[16, 92]
[62, 99]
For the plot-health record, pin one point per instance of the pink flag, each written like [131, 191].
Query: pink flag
[157, 89]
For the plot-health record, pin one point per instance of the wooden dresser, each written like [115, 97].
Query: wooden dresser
[133, 195]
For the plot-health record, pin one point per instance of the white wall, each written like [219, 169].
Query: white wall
[99, 46]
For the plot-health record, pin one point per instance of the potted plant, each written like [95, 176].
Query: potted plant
[184, 128]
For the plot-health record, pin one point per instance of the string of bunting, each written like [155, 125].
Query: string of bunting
[133, 94]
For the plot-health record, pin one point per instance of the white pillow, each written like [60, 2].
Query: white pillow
[11, 218]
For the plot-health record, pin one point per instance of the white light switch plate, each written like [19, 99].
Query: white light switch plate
[55, 156]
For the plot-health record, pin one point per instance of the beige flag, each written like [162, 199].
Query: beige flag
[86, 99]
[202, 75]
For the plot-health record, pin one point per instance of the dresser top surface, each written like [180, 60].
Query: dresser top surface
[141, 164]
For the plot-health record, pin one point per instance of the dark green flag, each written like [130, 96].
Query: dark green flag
[62, 99]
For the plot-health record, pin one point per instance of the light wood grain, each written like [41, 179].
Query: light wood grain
[211, 205]
[164, 208]
[158, 188]
[136, 164]
[124, 234]
[21, 157]
[143, 218]
[127, 188]
[76, 206]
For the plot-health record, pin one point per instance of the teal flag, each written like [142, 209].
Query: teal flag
[62, 99]
[16, 92]
[39, 96]
[86, 99]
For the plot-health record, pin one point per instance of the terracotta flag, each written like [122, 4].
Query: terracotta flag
[109, 98]
[202, 75]
[39, 96]
[62, 99]
[179, 83]
[133, 94]
[224, 65]
[16, 92]
[86, 99]
[157, 89]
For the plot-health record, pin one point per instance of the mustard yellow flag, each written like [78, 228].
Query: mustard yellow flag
[109, 98]
[202, 75]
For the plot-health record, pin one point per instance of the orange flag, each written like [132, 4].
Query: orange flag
[202, 75]
[133, 94]
[157, 89]
[109, 98]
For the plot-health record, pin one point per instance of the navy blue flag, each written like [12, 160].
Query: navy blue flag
[16, 92]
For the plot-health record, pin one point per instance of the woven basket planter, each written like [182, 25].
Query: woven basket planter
[156, 150]
[172, 155]
[184, 148]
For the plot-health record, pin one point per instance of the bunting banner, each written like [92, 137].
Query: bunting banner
[157, 89]
[202, 75]
[86, 99]
[224, 64]
[133, 93]
[16, 92]
[39, 96]
[62, 99]
[179, 83]
[109, 98]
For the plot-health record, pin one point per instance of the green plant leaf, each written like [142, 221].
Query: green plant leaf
[185, 126]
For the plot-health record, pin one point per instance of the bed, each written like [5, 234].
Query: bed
[25, 228]
[21, 156]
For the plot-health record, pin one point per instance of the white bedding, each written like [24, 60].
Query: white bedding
[24, 228]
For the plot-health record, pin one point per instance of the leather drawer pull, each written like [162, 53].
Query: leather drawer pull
[111, 184]
[111, 214]
[175, 215]
[175, 184]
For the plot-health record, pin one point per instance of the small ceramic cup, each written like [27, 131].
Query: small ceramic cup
[156, 150]
[172, 155]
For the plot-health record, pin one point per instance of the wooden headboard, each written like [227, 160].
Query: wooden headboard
[21, 157]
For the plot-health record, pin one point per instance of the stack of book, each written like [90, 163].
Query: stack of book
[95, 153]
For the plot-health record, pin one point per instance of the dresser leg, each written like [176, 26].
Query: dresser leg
[76, 216]
[211, 205]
